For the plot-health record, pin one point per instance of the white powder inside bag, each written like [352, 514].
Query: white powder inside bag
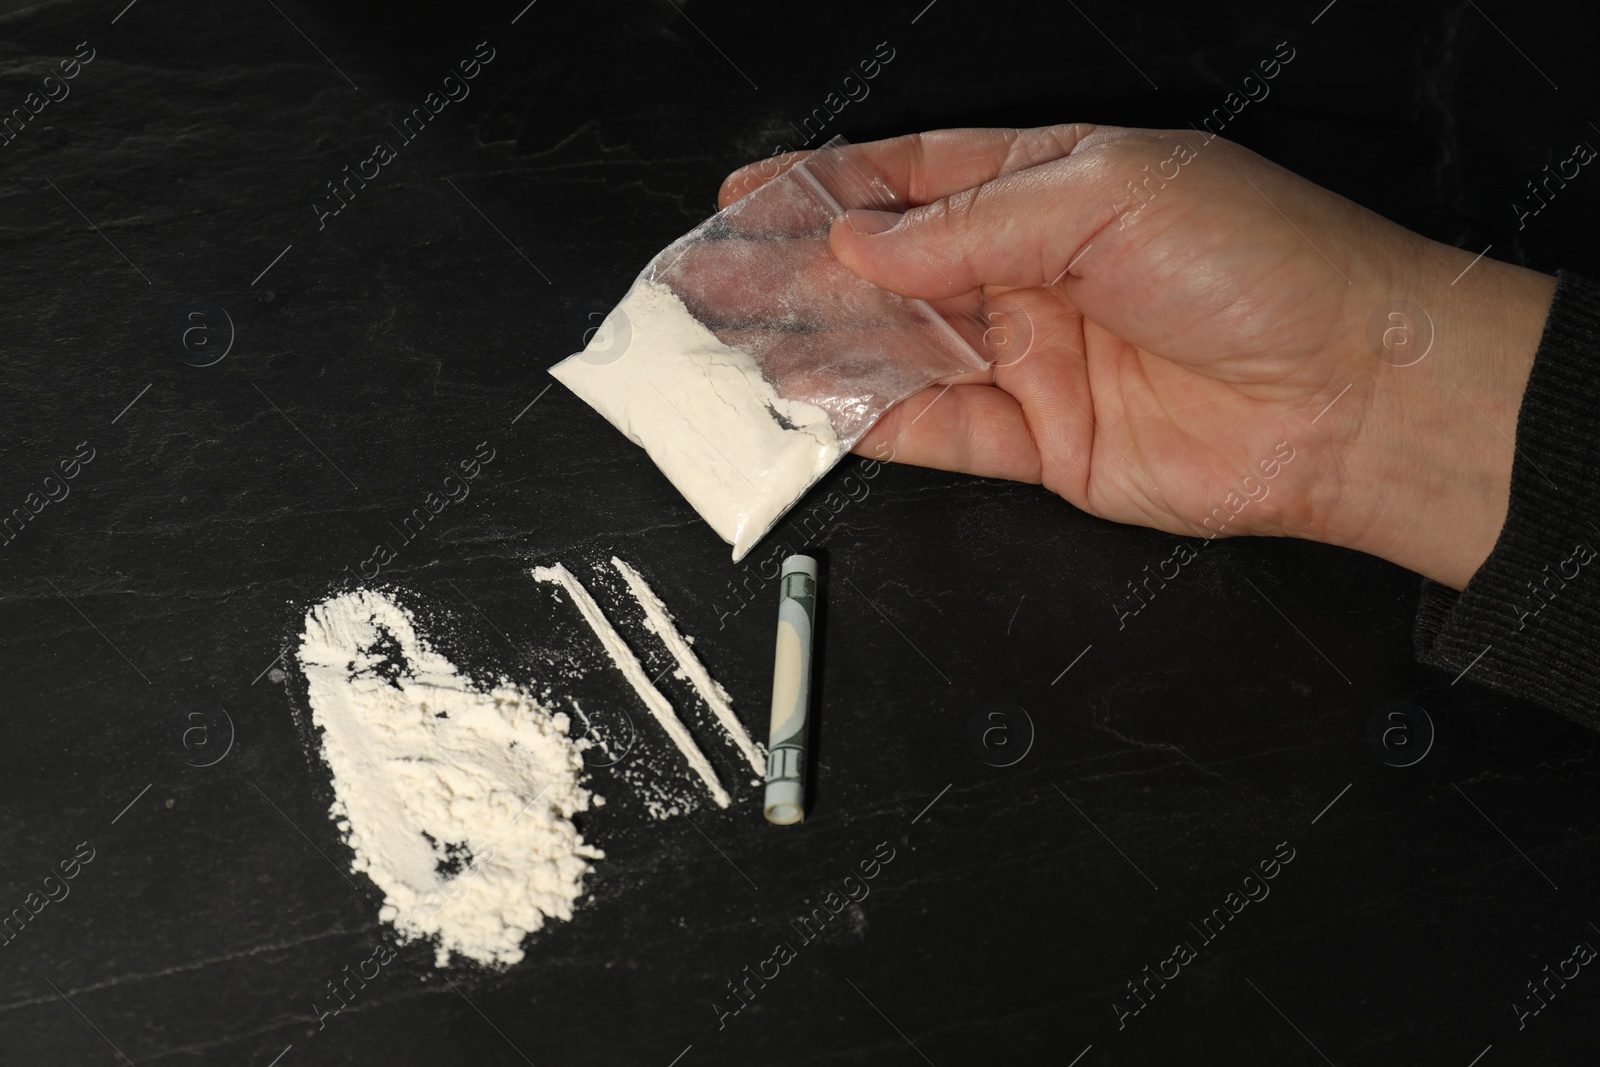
[456, 800]
[738, 452]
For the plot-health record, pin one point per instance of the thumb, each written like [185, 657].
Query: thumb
[1019, 230]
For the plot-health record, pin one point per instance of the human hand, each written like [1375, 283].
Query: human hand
[1197, 358]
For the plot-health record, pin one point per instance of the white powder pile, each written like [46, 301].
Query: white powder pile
[625, 661]
[457, 801]
[658, 620]
[738, 452]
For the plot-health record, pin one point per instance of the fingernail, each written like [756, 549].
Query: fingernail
[869, 223]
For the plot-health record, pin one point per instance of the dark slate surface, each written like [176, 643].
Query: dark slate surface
[1174, 755]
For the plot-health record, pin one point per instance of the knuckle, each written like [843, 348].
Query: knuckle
[1043, 144]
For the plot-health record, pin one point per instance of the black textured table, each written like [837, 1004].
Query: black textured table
[251, 380]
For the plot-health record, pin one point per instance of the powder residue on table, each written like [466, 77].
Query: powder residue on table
[624, 660]
[457, 799]
[658, 620]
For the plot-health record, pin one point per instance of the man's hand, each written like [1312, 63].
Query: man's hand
[1189, 342]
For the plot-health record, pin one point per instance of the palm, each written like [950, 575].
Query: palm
[1168, 472]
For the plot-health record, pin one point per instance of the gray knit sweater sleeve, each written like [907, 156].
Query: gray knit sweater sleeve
[1528, 623]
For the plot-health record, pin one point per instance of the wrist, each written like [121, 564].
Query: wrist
[1424, 472]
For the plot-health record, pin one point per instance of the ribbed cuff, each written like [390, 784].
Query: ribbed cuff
[1528, 623]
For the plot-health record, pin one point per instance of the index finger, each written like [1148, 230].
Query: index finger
[923, 167]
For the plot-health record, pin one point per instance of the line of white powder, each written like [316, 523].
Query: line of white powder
[631, 669]
[658, 620]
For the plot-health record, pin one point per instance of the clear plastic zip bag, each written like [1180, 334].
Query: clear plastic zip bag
[747, 360]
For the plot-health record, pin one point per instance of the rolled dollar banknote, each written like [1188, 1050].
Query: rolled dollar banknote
[791, 692]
